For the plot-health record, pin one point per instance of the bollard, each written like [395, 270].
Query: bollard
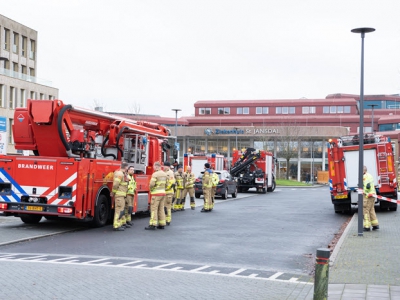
[321, 274]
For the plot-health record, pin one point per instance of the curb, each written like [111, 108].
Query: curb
[340, 242]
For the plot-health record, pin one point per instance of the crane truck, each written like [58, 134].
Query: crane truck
[343, 161]
[254, 169]
[75, 153]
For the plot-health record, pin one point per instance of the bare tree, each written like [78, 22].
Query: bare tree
[134, 108]
[288, 143]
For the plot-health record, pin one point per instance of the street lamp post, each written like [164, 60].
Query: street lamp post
[176, 126]
[363, 31]
[236, 129]
[372, 117]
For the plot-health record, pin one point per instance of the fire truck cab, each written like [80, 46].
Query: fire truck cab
[343, 160]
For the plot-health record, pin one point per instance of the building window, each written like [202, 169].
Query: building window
[6, 39]
[239, 110]
[347, 109]
[332, 109]
[12, 98]
[33, 95]
[224, 111]
[308, 110]
[32, 72]
[16, 42]
[41, 96]
[203, 111]
[22, 98]
[285, 110]
[325, 110]
[23, 69]
[245, 110]
[23, 46]
[15, 67]
[265, 110]
[32, 52]
[261, 110]
[340, 109]
[10, 137]
[1, 95]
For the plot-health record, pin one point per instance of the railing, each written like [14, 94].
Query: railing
[25, 77]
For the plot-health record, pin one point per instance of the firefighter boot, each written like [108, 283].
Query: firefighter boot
[160, 227]
[183, 205]
[130, 223]
[375, 227]
[192, 203]
[150, 227]
[119, 229]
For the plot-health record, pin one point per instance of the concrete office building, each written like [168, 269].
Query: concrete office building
[18, 70]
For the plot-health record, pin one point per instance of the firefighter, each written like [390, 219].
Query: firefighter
[215, 181]
[158, 182]
[119, 190]
[178, 188]
[129, 197]
[188, 182]
[207, 185]
[169, 191]
[369, 202]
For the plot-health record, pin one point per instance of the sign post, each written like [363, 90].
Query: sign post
[3, 135]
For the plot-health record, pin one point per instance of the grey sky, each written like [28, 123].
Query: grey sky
[168, 54]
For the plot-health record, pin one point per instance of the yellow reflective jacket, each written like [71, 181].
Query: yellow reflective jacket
[171, 181]
[207, 183]
[367, 178]
[215, 179]
[189, 179]
[120, 183]
[158, 182]
[179, 180]
[131, 185]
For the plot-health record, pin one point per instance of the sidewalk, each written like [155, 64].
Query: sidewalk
[368, 266]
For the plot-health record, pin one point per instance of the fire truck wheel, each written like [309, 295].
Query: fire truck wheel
[234, 195]
[197, 196]
[272, 188]
[102, 212]
[225, 194]
[31, 219]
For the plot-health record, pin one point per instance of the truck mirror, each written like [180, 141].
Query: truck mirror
[174, 153]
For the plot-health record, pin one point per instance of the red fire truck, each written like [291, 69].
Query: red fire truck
[343, 160]
[254, 169]
[75, 152]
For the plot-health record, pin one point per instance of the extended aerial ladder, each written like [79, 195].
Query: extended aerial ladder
[76, 152]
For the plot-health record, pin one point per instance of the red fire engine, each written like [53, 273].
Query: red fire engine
[76, 152]
[254, 169]
[343, 154]
[217, 161]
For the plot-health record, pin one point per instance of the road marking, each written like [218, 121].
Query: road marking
[276, 275]
[199, 269]
[164, 265]
[109, 262]
[237, 272]
[93, 261]
[130, 263]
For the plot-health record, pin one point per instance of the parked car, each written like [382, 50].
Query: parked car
[227, 185]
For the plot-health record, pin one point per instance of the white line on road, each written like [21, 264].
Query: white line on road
[165, 265]
[199, 269]
[237, 272]
[130, 263]
[276, 275]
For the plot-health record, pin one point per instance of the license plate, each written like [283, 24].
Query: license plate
[36, 208]
[340, 196]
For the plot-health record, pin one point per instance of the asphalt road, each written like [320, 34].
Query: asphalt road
[277, 232]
